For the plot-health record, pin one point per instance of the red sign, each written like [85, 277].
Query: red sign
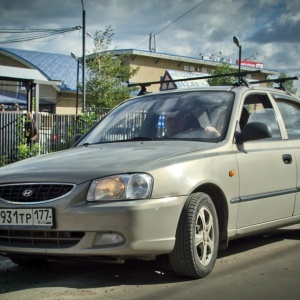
[249, 63]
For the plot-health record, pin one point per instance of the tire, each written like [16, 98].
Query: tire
[28, 261]
[197, 238]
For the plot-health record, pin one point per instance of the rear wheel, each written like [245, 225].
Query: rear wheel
[197, 238]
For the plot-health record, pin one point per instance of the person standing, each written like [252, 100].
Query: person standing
[30, 129]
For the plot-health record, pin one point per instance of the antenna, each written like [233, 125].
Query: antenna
[215, 54]
[253, 55]
[152, 43]
[260, 58]
[231, 54]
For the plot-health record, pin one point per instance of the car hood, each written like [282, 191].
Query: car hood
[85, 163]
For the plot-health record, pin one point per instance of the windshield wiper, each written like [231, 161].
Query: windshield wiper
[141, 138]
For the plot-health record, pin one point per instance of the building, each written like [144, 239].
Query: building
[152, 66]
[61, 99]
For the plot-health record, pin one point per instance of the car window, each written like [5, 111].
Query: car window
[258, 108]
[290, 112]
[197, 116]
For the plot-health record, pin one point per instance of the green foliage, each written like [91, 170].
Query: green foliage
[219, 70]
[26, 151]
[107, 74]
[288, 84]
[85, 122]
[4, 161]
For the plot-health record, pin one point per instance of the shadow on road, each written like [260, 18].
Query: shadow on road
[86, 273]
[255, 241]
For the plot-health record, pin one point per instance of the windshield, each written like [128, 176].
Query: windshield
[198, 116]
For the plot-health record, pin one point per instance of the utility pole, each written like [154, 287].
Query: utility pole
[83, 57]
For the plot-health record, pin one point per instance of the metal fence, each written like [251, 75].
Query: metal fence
[54, 131]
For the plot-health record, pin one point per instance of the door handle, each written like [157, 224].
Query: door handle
[287, 158]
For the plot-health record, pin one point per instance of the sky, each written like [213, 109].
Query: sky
[268, 30]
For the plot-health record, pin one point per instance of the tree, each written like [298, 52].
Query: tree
[219, 70]
[107, 75]
[289, 85]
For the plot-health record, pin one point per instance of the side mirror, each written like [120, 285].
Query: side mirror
[74, 139]
[253, 131]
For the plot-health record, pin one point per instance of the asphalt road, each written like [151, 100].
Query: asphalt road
[260, 267]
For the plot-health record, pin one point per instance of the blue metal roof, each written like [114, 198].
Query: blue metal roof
[53, 66]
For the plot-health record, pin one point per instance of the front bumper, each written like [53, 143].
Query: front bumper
[147, 227]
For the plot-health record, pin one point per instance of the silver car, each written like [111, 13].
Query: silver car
[176, 172]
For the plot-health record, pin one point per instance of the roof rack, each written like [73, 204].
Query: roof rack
[280, 81]
[277, 80]
[240, 75]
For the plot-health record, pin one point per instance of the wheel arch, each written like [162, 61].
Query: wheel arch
[220, 203]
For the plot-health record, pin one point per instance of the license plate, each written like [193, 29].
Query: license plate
[28, 217]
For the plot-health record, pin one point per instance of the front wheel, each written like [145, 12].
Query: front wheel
[197, 238]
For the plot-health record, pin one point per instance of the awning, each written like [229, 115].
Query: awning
[30, 78]
[25, 75]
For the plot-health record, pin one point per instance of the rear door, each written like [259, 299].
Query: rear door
[290, 112]
[267, 169]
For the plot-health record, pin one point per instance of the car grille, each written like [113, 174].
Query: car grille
[25, 193]
[40, 239]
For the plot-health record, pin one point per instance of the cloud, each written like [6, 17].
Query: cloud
[285, 29]
[267, 26]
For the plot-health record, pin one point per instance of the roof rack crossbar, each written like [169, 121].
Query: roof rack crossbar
[237, 74]
[280, 81]
[277, 80]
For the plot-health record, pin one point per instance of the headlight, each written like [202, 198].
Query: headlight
[121, 187]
